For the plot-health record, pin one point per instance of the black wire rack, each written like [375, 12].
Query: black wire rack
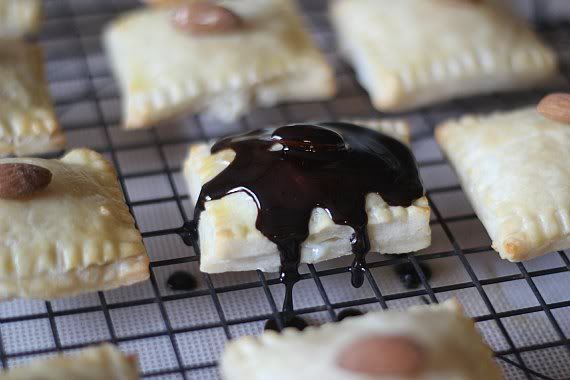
[140, 318]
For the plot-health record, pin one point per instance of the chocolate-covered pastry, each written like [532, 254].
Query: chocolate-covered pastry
[273, 198]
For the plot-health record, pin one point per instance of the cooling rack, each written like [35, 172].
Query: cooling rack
[523, 310]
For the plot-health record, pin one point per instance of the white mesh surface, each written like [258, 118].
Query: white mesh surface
[180, 335]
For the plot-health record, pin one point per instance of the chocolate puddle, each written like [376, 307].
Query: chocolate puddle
[182, 281]
[289, 321]
[291, 170]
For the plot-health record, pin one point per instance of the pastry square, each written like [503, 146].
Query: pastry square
[28, 124]
[412, 53]
[93, 363]
[230, 241]
[167, 72]
[434, 328]
[513, 167]
[75, 236]
[19, 17]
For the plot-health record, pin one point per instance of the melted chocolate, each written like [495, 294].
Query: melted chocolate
[182, 280]
[189, 234]
[347, 313]
[291, 170]
[291, 321]
[409, 276]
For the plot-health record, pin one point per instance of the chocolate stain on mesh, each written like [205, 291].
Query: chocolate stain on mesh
[291, 170]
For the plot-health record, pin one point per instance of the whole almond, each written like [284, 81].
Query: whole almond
[20, 180]
[206, 18]
[555, 107]
[383, 355]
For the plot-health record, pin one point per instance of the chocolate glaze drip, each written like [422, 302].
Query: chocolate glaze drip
[189, 233]
[291, 170]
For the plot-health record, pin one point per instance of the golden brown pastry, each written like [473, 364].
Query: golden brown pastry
[28, 124]
[413, 53]
[269, 59]
[19, 17]
[513, 168]
[66, 228]
[104, 362]
[422, 343]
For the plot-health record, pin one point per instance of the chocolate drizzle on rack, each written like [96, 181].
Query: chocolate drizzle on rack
[291, 170]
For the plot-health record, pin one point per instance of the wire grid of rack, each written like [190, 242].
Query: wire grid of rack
[522, 309]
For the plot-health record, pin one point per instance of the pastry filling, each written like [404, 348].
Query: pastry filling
[291, 170]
